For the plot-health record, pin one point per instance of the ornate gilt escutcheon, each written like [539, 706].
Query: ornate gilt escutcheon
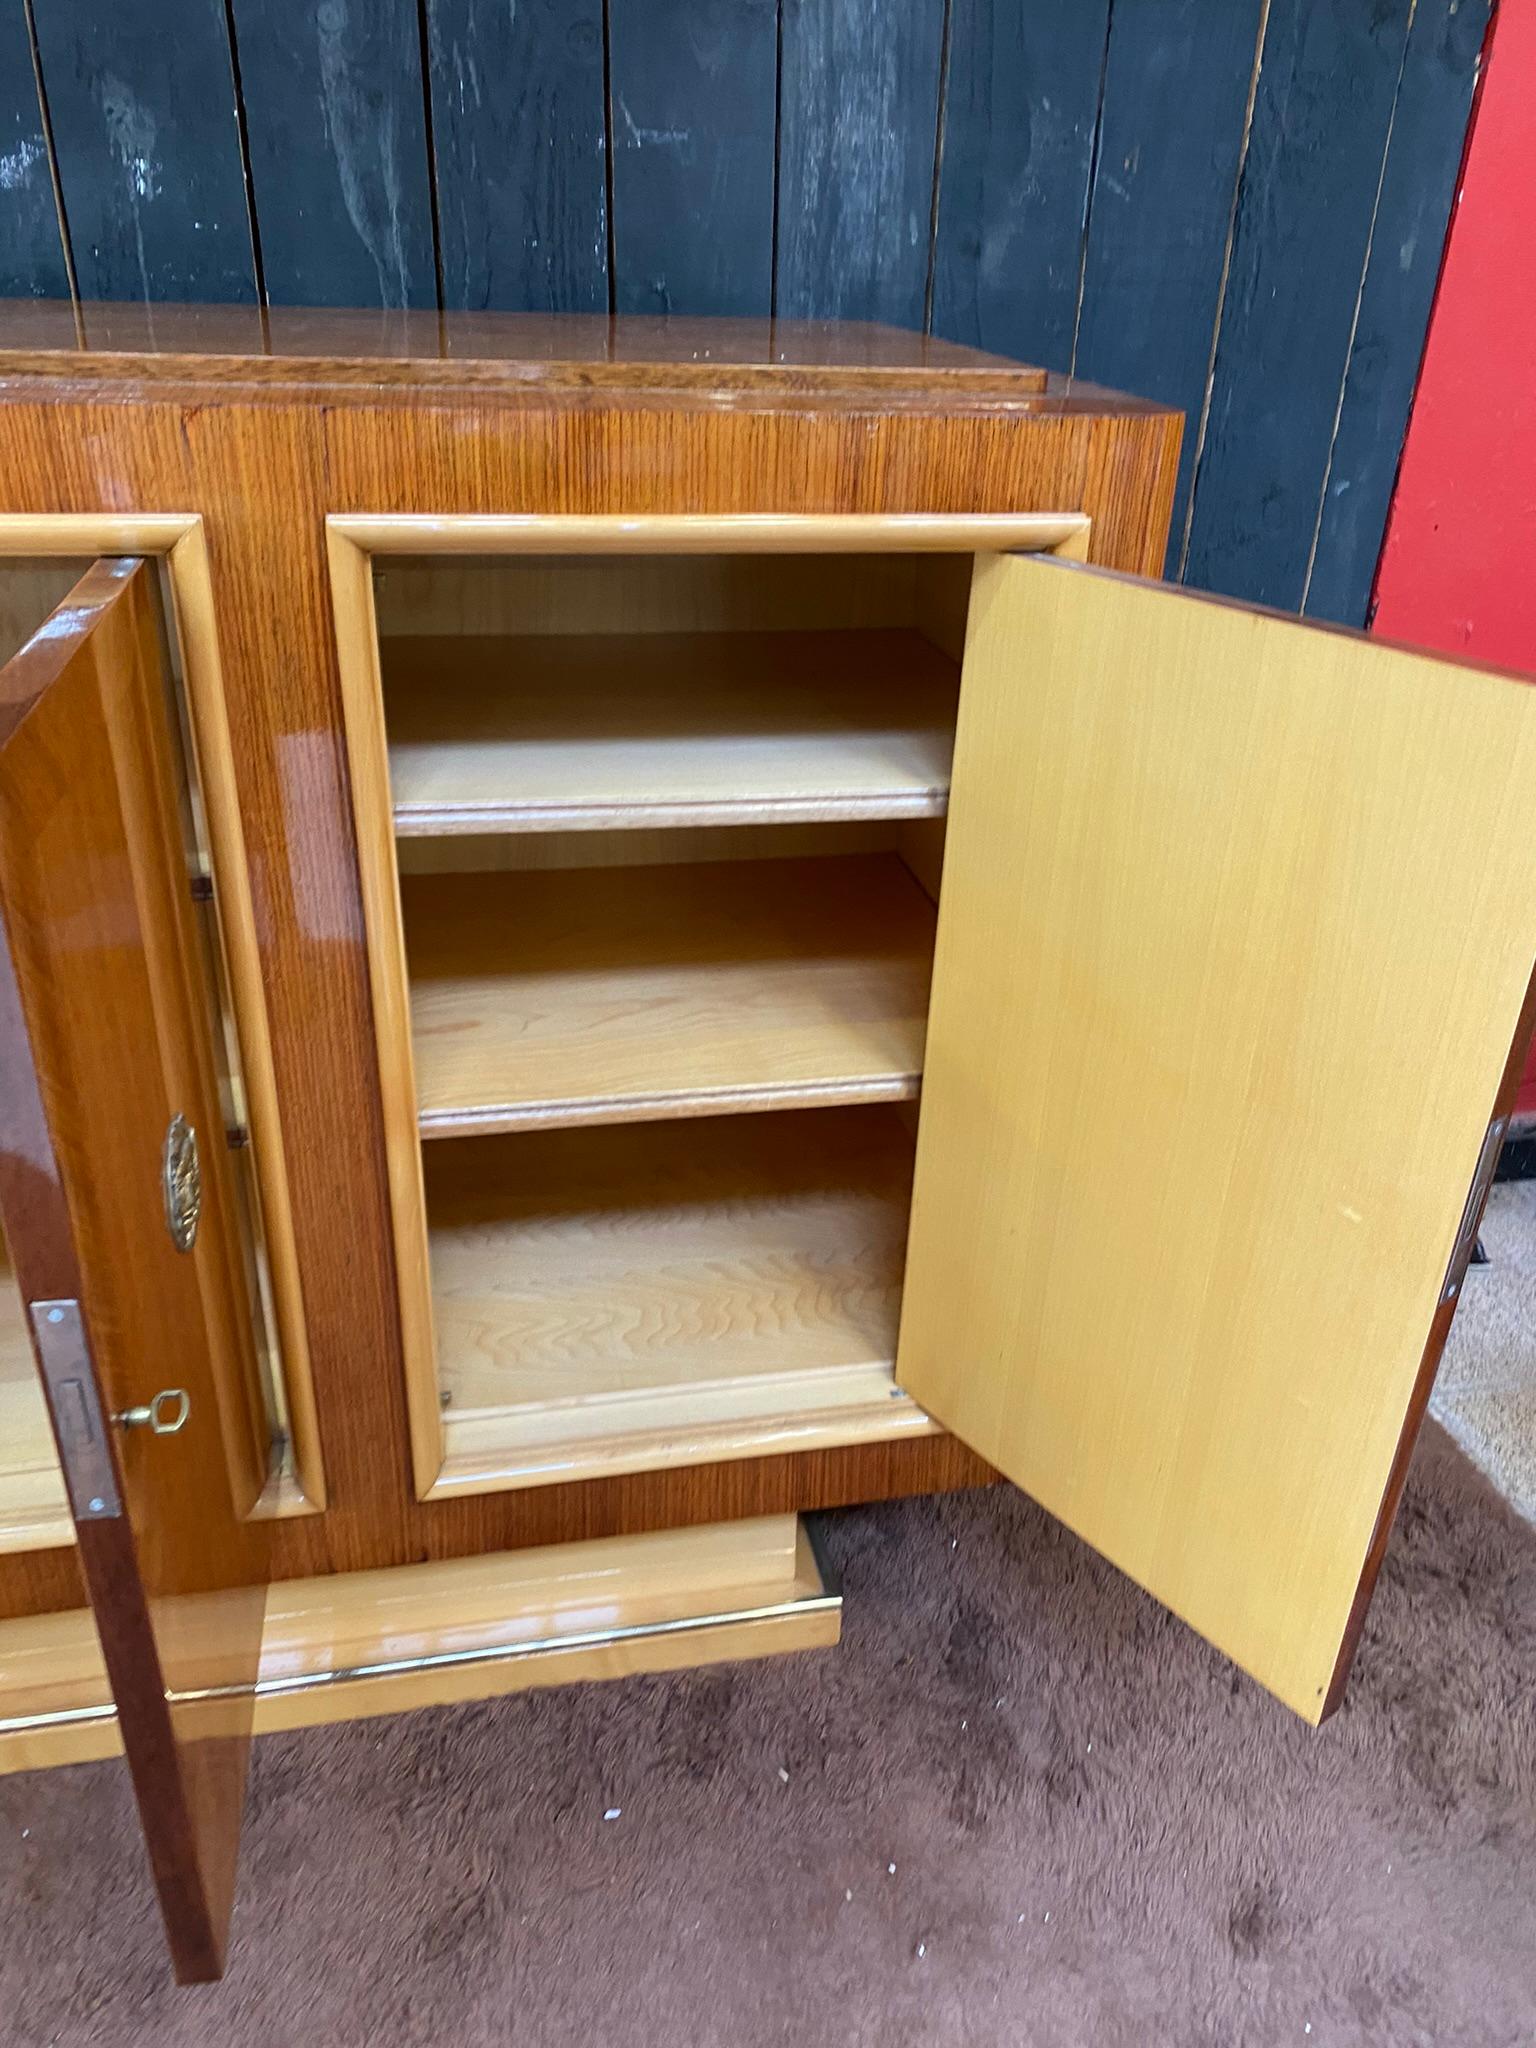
[182, 1182]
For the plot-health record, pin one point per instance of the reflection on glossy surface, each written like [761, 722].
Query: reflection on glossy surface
[103, 1040]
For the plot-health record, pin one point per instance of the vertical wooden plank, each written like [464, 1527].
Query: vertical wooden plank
[1019, 119]
[148, 146]
[1419, 185]
[1327, 83]
[858, 120]
[336, 131]
[32, 263]
[1176, 88]
[518, 134]
[692, 96]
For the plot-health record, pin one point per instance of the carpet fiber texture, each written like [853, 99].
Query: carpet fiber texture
[1018, 1805]
[1486, 1392]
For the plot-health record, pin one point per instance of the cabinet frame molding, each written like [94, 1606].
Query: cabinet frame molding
[352, 542]
[178, 541]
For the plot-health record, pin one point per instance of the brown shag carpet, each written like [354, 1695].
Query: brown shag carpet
[1018, 1805]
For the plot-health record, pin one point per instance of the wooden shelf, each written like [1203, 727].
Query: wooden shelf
[614, 994]
[575, 732]
[607, 1300]
[34, 1511]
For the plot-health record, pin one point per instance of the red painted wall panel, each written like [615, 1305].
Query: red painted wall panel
[1458, 565]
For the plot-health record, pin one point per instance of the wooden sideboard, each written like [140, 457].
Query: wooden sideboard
[726, 952]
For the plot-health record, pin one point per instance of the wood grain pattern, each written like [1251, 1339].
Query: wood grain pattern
[692, 86]
[642, 846]
[569, 732]
[62, 545]
[235, 937]
[103, 1034]
[336, 138]
[1504, 1106]
[858, 113]
[317, 350]
[1169, 1197]
[148, 151]
[1020, 116]
[660, 1602]
[518, 133]
[615, 1299]
[264, 463]
[599, 996]
[512, 594]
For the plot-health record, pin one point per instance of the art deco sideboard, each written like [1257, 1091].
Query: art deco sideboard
[618, 931]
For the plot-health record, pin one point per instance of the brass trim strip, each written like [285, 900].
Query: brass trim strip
[61, 1717]
[827, 1602]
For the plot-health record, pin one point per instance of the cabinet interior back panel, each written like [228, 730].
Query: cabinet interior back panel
[736, 593]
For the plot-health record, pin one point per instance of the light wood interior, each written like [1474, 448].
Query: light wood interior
[564, 731]
[570, 692]
[355, 1644]
[652, 846]
[645, 1297]
[632, 595]
[34, 1512]
[652, 819]
[597, 996]
[1238, 922]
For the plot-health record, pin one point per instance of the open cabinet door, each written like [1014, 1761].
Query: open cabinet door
[1185, 1247]
[115, 1201]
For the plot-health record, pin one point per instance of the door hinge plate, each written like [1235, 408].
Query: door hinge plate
[78, 1422]
[1472, 1215]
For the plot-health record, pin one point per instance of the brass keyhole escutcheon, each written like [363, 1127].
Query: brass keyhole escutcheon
[182, 1183]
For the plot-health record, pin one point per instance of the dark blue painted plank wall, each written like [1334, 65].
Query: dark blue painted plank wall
[1235, 208]
[149, 148]
[1408, 234]
[32, 260]
[336, 138]
[1021, 112]
[1176, 87]
[693, 86]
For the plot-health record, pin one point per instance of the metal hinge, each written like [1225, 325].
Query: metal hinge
[1472, 1215]
[78, 1423]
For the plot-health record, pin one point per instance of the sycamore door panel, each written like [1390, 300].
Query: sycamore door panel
[1183, 1248]
[104, 1039]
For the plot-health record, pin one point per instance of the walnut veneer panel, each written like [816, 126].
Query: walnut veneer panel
[263, 460]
